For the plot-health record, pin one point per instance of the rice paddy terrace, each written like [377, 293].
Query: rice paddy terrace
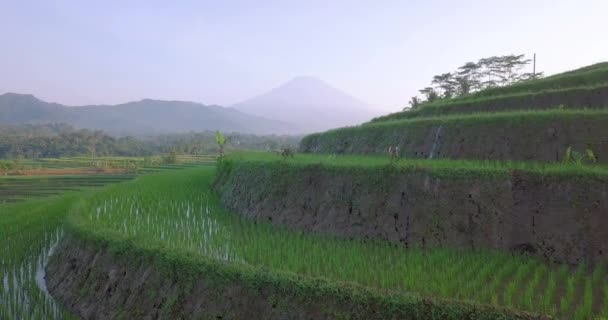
[32, 210]
[163, 246]
[492, 212]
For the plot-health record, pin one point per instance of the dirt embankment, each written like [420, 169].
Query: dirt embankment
[516, 139]
[559, 218]
[96, 282]
[576, 98]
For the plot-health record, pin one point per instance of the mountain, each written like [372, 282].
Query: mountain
[140, 117]
[308, 103]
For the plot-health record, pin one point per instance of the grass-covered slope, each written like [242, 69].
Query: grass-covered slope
[586, 87]
[535, 136]
[586, 76]
[595, 97]
[162, 246]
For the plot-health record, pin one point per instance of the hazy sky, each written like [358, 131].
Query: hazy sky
[222, 52]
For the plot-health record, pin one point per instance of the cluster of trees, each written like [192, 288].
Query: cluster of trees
[475, 76]
[61, 140]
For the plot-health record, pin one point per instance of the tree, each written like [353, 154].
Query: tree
[511, 65]
[531, 76]
[469, 73]
[220, 140]
[414, 103]
[446, 83]
[490, 71]
[430, 94]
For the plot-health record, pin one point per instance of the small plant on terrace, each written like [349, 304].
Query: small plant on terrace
[579, 158]
[221, 141]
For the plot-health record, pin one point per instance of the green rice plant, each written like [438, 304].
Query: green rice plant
[522, 271]
[567, 302]
[547, 300]
[604, 311]
[489, 292]
[585, 309]
[531, 291]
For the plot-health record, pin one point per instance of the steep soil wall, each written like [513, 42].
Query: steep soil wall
[575, 98]
[97, 280]
[518, 138]
[559, 218]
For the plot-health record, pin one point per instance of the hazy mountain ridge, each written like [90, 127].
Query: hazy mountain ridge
[139, 117]
[308, 103]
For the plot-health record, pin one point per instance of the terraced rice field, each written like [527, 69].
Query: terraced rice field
[32, 212]
[179, 211]
[28, 234]
[16, 188]
[22, 188]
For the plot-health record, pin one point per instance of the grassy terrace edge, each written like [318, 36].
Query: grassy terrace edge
[189, 266]
[494, 117]
[433, 167]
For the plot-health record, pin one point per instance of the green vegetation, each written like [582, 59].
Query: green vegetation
[221, 141]
[179, 212]
[586, 76]
[30, 229]
[60, 140]
[570, 98]
[478, 128]
[454, 91]
[18, 187]
[21, 188]
[491, 72]
[498, 117]
[435, 166]
[28, 233]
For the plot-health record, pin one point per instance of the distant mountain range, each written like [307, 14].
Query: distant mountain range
[302, 105]
[308, 103]
[139, 117]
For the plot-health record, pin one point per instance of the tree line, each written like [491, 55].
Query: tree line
[471, 77]
[62, 140]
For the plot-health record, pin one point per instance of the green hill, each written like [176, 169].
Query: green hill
[536, 120]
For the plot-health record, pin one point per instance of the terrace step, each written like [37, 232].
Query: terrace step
[528, 136]
[554, 212]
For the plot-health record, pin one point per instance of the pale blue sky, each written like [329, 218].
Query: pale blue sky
[221, 52]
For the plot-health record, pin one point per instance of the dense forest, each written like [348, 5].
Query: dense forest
[57, 140]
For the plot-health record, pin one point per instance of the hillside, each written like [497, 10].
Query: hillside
[308, 103]
[582, 88]
[139, 117]
[536, 120]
